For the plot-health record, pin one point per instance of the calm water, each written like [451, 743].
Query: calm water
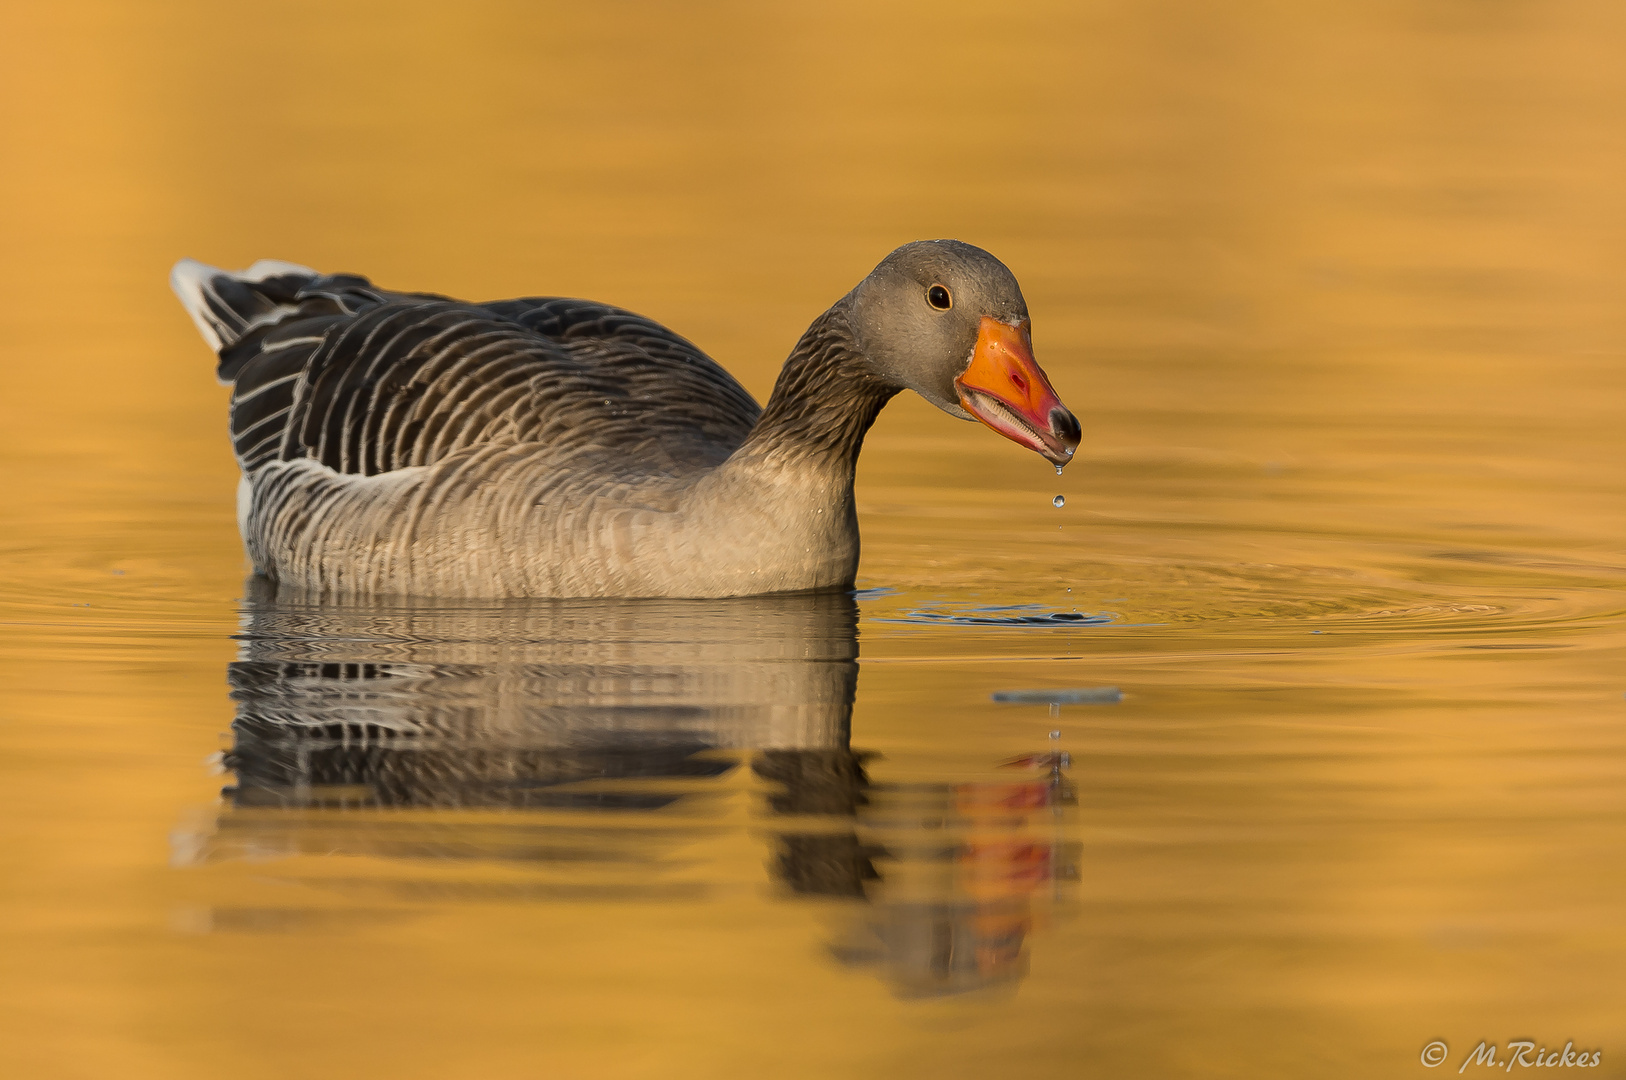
[1337, 295]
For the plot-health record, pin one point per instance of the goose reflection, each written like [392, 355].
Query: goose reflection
[522, 704]
[594, 746]
[954, 876]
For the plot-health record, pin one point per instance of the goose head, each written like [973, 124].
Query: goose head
[947, 320]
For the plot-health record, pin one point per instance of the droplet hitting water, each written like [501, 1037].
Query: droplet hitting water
[1058, 502]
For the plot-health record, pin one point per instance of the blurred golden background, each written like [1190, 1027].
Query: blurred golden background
[1334, 288]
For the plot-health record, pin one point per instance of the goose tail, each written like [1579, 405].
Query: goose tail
[227, 304]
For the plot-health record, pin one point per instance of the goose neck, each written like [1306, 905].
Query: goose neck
[825, 399]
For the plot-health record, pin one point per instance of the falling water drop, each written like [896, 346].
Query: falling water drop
[1058, 470]
[1058, 502]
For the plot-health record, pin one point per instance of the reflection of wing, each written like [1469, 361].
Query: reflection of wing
[413, 735]
[367, 381]
[500, 704]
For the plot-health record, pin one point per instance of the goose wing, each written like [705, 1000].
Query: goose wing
[367, 381]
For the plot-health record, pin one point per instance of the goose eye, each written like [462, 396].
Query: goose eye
[939, 298]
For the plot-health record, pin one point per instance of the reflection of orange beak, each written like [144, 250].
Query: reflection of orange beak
[1005, 389]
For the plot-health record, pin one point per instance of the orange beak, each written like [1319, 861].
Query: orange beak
[1005, 389]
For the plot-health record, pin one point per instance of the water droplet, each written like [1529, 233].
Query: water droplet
[1058, 470]
[1069, 589]
[1058, 502]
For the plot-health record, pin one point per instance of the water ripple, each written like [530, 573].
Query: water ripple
[1015, 615]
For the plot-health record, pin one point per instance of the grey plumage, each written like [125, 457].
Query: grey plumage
[407, 443]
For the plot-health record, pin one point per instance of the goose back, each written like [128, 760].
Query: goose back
[367, 381]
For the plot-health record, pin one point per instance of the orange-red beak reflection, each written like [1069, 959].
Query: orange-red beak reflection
[1005, 389]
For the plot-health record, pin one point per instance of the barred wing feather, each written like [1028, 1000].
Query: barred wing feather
[367, 381]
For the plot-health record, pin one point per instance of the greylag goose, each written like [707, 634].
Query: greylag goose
[410, 444]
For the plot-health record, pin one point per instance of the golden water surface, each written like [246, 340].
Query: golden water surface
[1337, 292]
